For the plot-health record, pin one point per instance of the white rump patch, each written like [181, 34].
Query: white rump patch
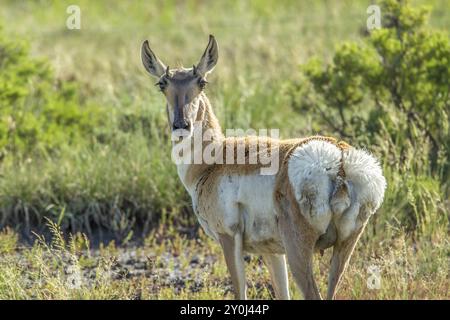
[364, 171]
[312, 172]
[311, 169]
[316, 155]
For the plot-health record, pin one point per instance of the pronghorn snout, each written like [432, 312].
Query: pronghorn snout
[181, 124]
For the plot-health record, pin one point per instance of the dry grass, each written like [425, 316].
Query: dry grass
[171, 266]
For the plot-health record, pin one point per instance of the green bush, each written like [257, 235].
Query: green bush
[390, 92]
[37, 111]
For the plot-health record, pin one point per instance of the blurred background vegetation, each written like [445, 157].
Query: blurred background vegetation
[83, 133]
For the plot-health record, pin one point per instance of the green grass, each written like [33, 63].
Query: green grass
[124, 185]
[261, 44]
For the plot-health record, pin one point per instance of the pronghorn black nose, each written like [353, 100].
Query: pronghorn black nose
[182, 124]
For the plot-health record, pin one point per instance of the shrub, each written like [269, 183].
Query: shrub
[37, 111]
[390, 92]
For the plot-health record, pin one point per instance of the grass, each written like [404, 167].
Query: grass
[127, 188]
[133, 171]
[172, 266]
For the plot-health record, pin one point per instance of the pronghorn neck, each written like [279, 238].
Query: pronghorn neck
[206, 121]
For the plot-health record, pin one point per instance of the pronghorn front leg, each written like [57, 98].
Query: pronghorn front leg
[276, 263]
[234, 257]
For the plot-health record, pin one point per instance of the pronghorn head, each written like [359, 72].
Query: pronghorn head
[181, 87]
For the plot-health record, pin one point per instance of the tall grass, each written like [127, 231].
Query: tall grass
[130, 174]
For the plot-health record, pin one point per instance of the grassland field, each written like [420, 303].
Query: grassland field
[107, 218]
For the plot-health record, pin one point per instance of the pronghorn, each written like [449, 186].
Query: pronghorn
[321, 196]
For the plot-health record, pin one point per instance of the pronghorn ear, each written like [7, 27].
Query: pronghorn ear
[209, 57]
[151, 62]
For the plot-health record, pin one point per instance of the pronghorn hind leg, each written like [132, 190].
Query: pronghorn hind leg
[342, 252]
[276, 263]
[234, 258]
[300, 262]
[299, 240]
[343, 249]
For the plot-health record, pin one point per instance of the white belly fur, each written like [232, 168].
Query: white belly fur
[245, 202]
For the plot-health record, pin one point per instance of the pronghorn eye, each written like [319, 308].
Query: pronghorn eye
[202, 83]
[162, 85]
